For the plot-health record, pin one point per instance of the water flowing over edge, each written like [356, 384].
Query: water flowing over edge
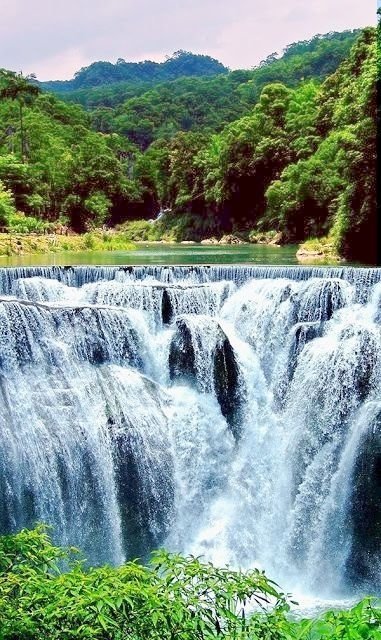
[227, 411]
[361, 277]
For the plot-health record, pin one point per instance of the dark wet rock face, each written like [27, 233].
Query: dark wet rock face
[321, 299]
[166, 308]
[225, 376]
[300, 335]
[93, 342]
[227, 385]
[145, 518]
[182, 354]
[364, 562]
[304, 333]
[364, 350]
[145, 489]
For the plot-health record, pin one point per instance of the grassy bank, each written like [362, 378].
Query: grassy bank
[171, 228]
[318, 249]
[12, 244]
[189, 228]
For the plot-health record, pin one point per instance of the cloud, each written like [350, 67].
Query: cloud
[55, 39]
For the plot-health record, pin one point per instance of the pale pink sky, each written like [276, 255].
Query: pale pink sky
[55, 38]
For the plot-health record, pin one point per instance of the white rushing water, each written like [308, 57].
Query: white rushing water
[232, 412]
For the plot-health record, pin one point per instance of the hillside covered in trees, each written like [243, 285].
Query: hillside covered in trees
[287, 147]
[199, 94]
[181, 63]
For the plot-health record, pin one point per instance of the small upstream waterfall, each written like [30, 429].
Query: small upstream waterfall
[229, 412]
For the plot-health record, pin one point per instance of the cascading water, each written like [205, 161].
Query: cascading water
[233, 412]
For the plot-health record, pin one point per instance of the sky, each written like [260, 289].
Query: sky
[55, 38]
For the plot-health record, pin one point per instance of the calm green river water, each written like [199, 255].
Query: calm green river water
[158, 253]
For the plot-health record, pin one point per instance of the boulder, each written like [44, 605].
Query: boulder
[226, 380]
[166, 308]
[305, 254]
[181, 353]
[228, 384]
[230, 239]
[209, 241]
[277, 239]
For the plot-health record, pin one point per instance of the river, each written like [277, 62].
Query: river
[160, 253]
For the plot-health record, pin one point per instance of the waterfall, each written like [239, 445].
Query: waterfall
[230, 412]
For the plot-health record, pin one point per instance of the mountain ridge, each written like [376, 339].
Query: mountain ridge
[180, 64]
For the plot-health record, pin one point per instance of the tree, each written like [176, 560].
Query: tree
[15, 86]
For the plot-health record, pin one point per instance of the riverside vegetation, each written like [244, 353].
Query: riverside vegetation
[20, 243]
[171, 597]
[284, 150]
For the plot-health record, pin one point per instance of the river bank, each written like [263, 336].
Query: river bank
[169, 253]
[173, 230]
[318, 249]
[122, 241]
[14, 244]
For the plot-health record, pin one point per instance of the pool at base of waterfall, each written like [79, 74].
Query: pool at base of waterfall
[312, 606]
[227, 411]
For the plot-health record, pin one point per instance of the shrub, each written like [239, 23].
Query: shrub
[7, 207]
[46, 592]
[18, 223]
[98, 206]
[173, 597]
[139, 230]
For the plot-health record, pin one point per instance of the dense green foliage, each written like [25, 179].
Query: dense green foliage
[301, 162]
[282, 147]
[46, 592]
[333, 189]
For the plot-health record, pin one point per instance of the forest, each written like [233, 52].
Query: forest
[287, 148]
